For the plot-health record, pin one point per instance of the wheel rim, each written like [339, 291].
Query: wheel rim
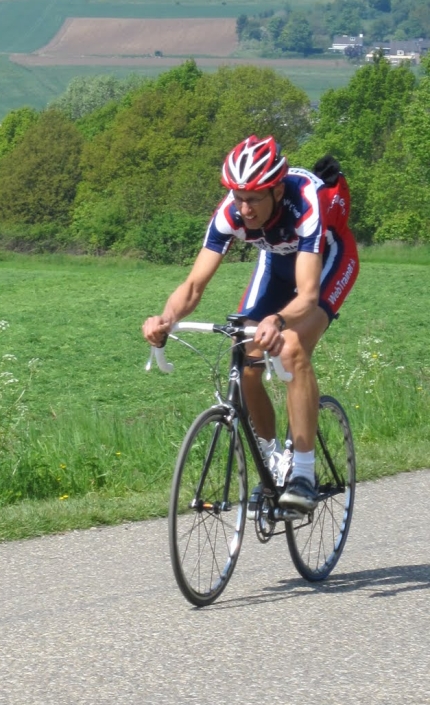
[317, 541]
[206, 532]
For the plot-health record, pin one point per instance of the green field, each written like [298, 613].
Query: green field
[97, 440]
[38, 86]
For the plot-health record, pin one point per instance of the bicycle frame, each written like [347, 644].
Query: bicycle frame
[208, 505]
[235, 400]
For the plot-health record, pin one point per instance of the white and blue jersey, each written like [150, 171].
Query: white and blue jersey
[298, 225]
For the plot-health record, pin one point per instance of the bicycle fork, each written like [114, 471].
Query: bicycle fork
[225, 505]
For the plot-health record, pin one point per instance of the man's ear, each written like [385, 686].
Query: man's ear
[278, 192]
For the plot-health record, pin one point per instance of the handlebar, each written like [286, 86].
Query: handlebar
[191, 327]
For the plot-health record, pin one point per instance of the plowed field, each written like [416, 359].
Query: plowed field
[80, 37]
[125, 42]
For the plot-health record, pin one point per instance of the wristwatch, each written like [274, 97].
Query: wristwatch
[281, 321]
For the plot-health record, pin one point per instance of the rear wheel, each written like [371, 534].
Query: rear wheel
[317, 540]
[208, 506]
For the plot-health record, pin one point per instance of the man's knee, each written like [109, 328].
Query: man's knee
[293, 353]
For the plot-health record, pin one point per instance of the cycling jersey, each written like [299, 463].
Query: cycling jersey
[310, 218]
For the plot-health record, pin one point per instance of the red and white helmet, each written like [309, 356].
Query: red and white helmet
[254, 165]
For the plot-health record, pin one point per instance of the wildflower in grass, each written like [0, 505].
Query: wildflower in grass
[63, 496]
[12, 409]
[63, 466]
[7, 378]
[118, 453]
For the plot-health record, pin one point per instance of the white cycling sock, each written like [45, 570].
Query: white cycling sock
[304, 465]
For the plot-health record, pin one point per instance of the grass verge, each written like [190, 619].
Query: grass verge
[95, 438]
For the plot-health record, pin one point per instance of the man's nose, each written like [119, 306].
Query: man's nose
[245, 207]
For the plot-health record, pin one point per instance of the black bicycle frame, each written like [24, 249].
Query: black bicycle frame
[235, 398]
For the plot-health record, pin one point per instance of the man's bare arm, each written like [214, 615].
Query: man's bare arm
[308, 273]
[185, 298]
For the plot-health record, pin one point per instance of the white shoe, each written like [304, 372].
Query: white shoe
[284, 467]
[280, 463]
[271, 453]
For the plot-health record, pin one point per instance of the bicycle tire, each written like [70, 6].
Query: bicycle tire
[205, 532]
[317, 541]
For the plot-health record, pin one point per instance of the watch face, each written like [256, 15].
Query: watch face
[281, 322]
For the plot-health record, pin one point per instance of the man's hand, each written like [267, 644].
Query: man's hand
[155, 330]
[268, 337]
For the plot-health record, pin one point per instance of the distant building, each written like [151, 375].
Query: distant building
[343, 41]
[396, 52]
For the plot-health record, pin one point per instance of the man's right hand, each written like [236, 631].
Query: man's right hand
[155, 330]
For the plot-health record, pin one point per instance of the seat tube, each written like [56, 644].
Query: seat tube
[234, 389]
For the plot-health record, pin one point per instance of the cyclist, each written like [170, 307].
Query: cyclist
[307, 265]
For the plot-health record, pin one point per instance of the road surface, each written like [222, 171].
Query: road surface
[95, 617]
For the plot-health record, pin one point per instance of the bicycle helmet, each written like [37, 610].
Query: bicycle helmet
[254, 164]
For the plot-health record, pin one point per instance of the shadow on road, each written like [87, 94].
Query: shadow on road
[379, 582]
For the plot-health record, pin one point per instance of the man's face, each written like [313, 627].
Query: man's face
[256, 207]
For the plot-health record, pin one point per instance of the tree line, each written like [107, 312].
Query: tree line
[137, 169]
[312, 30]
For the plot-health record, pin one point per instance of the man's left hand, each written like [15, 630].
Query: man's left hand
[268, 337]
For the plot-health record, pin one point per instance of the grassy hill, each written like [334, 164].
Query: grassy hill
[28, 25]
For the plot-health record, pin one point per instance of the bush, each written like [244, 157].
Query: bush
[173, 238]
[36, 239]
[99, 225]
[404, 226]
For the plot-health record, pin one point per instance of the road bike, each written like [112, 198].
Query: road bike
[209, 494]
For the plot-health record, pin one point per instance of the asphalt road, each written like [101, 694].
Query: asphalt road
[95, 617]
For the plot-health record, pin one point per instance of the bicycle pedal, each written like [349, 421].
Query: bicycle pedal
[289, 515]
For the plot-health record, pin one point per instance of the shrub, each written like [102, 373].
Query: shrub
[404, 226]
[173, 238]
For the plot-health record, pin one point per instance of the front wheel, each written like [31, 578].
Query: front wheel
[316, 542]
[208, 506]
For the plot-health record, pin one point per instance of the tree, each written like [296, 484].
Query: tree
[252, 31]
[353, 53]
[345, 17]
[38, 179]
[241, 23]
[172, 140]
[296, 35]
[186, 75]
[14, 126]
[399, 206]
[380, 5]
[253, 100]
[380, 29]
[275, 27]
[85, 95]
[355, 124]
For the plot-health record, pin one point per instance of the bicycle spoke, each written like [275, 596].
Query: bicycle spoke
[208, 505]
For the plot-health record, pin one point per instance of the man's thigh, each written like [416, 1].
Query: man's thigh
[307, 332]
[304, 334]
